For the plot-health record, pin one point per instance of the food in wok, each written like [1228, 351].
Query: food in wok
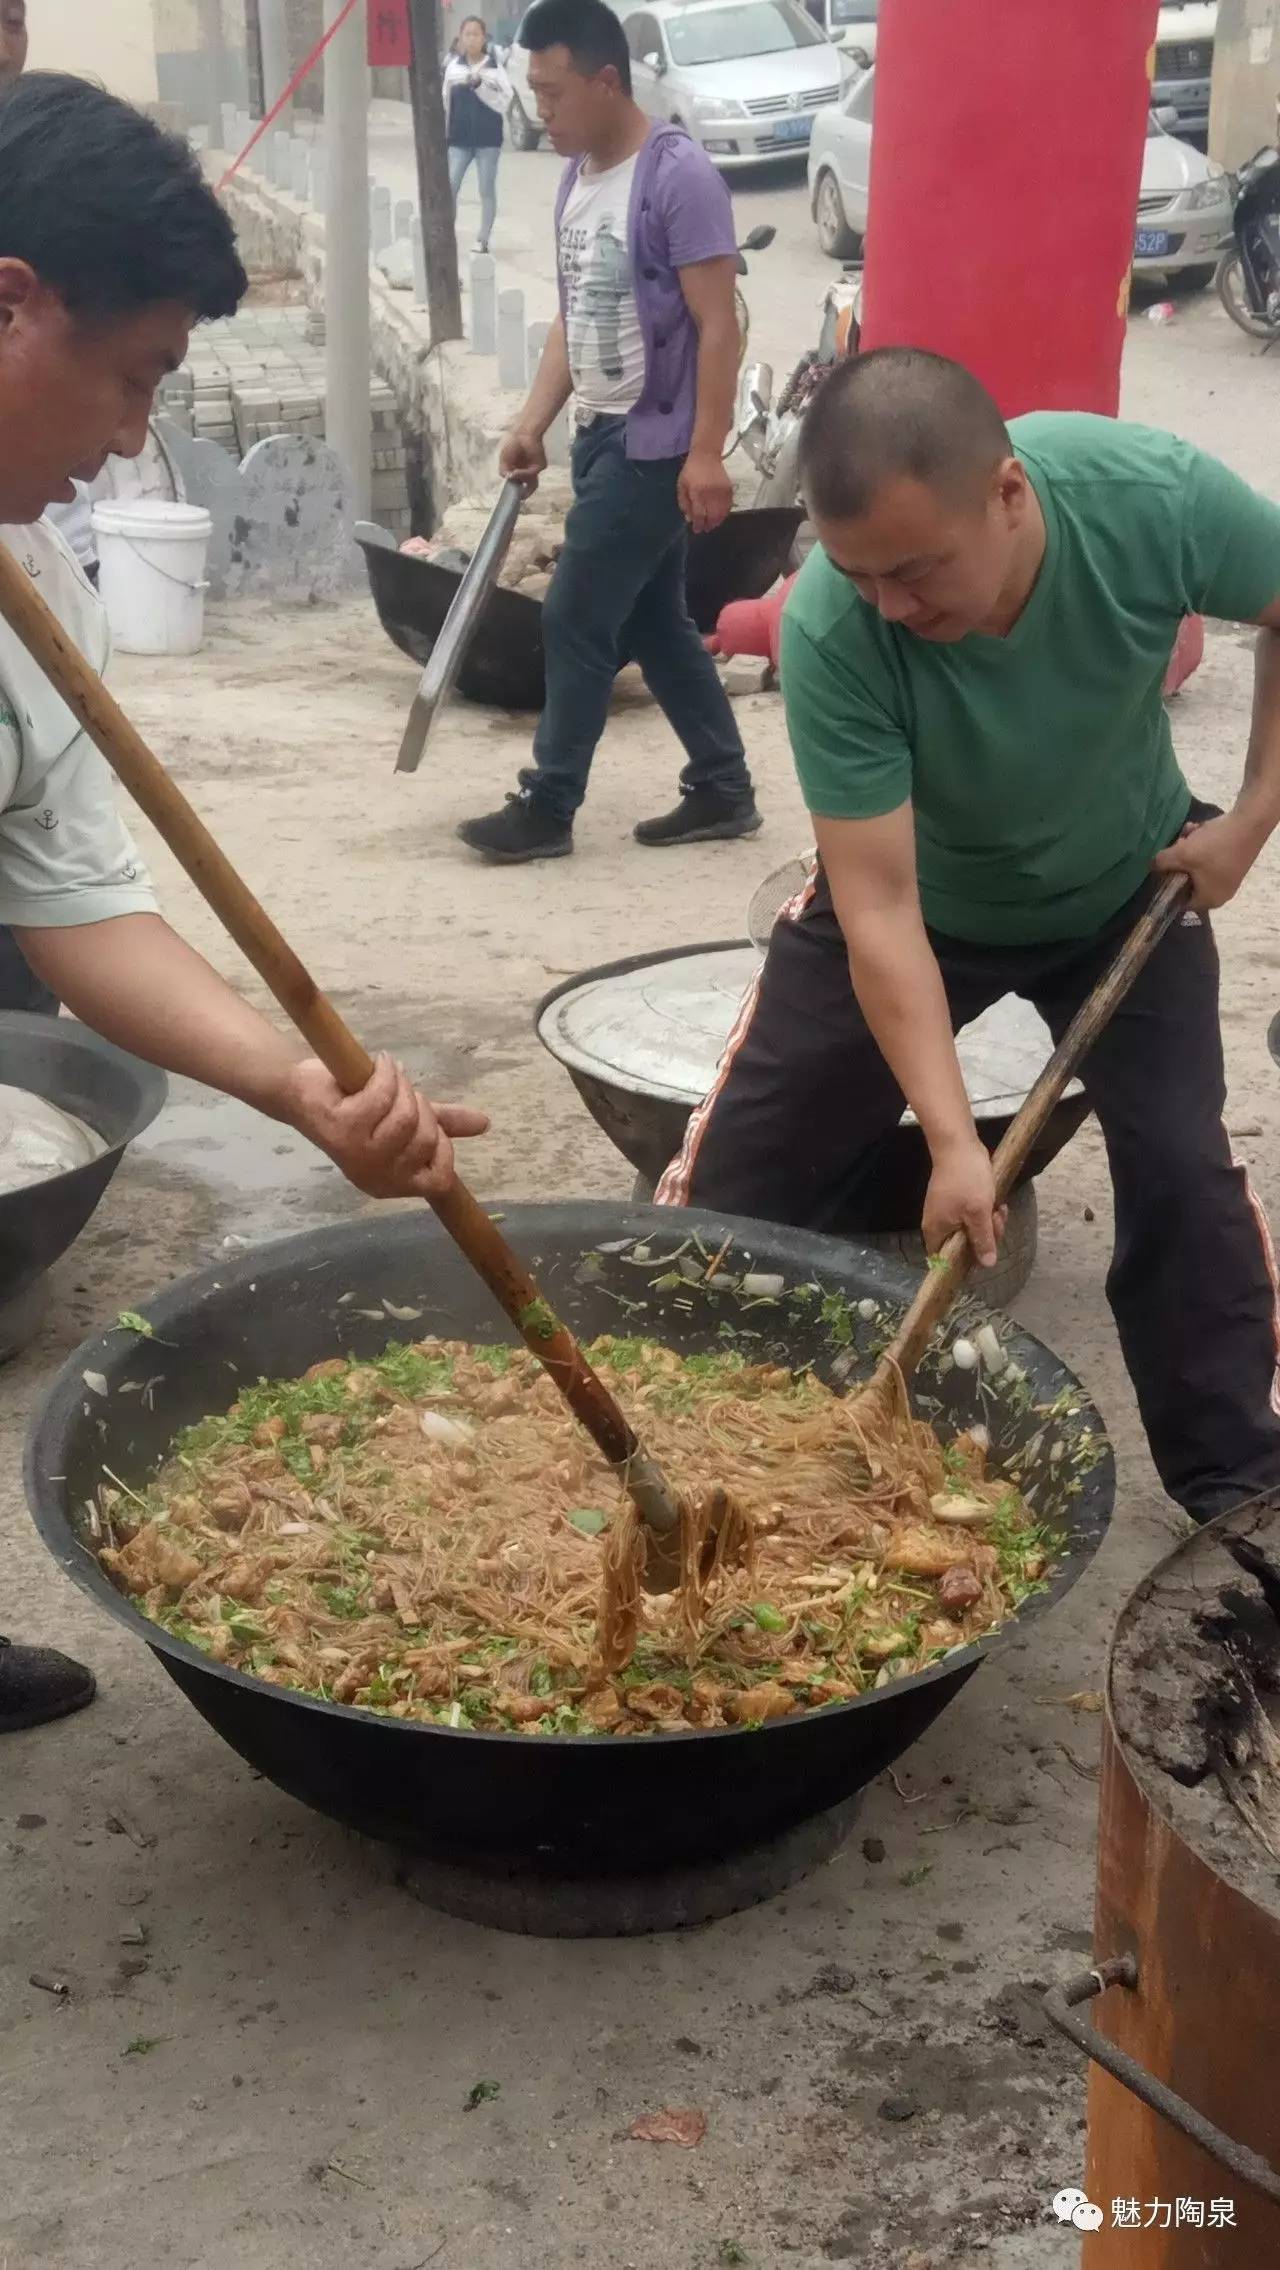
[431, 1536]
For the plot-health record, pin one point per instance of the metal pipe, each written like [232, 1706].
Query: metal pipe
[349, 421]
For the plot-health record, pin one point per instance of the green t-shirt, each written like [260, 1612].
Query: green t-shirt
[1040, 766]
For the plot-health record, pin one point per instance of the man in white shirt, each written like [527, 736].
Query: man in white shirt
[20, 988]
[112, 246]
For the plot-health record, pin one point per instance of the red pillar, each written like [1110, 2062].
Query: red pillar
[1006, 156]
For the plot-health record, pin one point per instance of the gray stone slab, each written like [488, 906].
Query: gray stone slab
[294, 538]
[511, 340]
[211, 478]
[484, 304]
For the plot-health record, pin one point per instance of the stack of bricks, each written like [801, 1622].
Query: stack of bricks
[261, 373]
[390, 492]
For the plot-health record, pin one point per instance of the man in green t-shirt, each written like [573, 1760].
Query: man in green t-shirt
[972, 665]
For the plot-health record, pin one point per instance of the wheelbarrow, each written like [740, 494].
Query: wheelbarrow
[641, 1040]
[502, 666]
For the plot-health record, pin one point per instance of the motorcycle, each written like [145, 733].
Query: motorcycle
[1248, 275]
[758, 240]
[768, 430]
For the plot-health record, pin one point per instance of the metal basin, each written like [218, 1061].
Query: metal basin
[742, 559]
[641, 1040]
[113, 1093]
[587, 1805]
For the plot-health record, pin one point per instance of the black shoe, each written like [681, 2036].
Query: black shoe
[702, 816]
[37, 1684]
[520, 831]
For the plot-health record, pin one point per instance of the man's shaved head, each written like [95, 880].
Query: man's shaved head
[917, 496]
[898, 412]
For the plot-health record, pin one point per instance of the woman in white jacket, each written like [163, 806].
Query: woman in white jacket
[476, 92]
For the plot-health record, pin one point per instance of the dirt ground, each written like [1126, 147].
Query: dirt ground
[280, 2075]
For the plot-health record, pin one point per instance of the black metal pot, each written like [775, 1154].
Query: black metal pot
[112, 1092]
[889, 1193]
[742, 559]
[587, 1805]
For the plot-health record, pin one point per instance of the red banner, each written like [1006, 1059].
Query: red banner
[390, 36]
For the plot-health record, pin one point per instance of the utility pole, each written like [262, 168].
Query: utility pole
[214, 51]
[349, 421]
[273, 36]
[435, 199]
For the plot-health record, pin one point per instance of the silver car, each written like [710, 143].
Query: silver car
[1184, 198]
[747, 78]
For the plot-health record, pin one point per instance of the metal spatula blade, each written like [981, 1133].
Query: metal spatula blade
[459, 628]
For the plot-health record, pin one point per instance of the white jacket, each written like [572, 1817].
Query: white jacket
[493, 86]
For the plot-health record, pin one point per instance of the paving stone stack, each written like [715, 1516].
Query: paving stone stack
[262, 372]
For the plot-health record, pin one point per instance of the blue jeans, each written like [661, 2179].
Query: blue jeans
[617, 596]
[486, 165]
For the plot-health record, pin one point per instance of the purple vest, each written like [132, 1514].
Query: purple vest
[680, 214]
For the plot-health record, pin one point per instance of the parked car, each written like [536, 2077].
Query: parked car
[1185, 32]
[1184, 199]
[747, 78]
[850, 25]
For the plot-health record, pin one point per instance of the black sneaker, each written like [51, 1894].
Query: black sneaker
[520, 831]
[702, 816]
[37, 1684]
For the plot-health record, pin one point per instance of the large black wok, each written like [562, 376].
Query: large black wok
[589, 1805]
[111, 1092]
[742, 559]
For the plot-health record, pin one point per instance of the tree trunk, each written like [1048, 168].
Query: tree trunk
[435, 200]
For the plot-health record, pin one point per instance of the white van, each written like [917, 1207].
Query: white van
[1184, 62]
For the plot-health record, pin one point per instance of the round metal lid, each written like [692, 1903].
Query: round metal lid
[659, 1029]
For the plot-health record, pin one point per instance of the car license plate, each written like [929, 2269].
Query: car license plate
[792, 129]
[1148, 244]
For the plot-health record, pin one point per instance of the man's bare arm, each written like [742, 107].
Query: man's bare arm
[1219, 855]
[871, 868]
[135, 981]
[522, 456]
[710, 294]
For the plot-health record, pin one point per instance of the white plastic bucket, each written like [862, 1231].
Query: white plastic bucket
[152, 574]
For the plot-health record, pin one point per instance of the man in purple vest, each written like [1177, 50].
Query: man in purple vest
[647, 344]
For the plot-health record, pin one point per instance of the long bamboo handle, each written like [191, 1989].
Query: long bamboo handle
[949, 1268]
[323, 1029]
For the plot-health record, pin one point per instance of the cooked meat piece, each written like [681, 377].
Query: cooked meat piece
[272, 1430]
[661, 1703]
[246, 1580]
[358, 1673]
[969, 1457]
[958, 1590]
[231, 1507]
[523, 1709]
[767, 1701]
[960, 1510]
[322, 1427]
[152, 1560]
[329, 1369]
[920, 1551]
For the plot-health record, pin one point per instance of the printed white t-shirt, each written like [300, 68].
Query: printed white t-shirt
[65, 854]
[602, 324]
